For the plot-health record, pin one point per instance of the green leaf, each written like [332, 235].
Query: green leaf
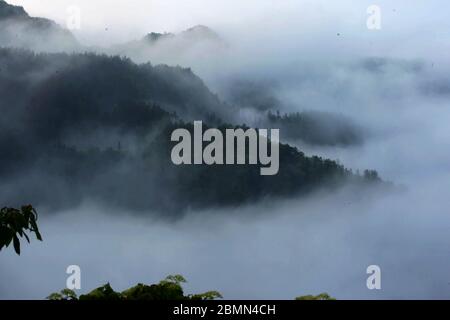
[35, 229]
[17, 245]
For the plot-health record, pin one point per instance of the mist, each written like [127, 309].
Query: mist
[322, 244]
[305, 56]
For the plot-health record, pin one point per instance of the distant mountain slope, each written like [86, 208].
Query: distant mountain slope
[98, 127]
[194, 34]
[173, 48]
[103, 81]
[18, 29]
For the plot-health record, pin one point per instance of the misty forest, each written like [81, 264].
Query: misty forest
[86, 176]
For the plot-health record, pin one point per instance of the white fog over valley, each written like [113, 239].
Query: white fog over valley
[390, 86]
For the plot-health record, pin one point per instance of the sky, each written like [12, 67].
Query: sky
[402, 20]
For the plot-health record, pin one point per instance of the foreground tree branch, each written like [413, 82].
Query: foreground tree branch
[14, 223]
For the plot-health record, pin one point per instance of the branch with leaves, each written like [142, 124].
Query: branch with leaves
[14, 223]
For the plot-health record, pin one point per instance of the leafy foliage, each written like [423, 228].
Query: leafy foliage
[65, 294]
[322, 296]
[14, 223]
[210, 295]
[168, 289]
[102, 293]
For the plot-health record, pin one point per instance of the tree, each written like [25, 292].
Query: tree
[168, 289]
[65, 294]
[14, 223]
[322, 296]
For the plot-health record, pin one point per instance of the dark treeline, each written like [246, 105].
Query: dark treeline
[312, 127]
[317, 128]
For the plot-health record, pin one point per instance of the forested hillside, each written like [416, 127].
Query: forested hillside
[92, 126]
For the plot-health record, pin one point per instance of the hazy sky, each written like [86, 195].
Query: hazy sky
[403, 21]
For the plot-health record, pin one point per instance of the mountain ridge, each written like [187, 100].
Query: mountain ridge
[19, 29]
